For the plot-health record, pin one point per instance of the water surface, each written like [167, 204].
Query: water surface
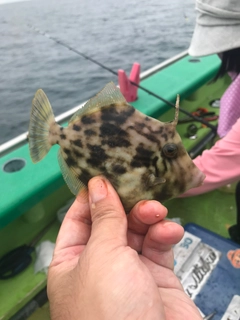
[116, 33]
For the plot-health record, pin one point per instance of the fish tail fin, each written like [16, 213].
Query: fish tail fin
[41, 119]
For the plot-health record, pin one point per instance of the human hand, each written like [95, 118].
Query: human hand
[107, 265]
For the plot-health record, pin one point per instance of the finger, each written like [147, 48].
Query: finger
[76, 226]
[108, 216]
[143, 214]
[159, 240]
[164, 277]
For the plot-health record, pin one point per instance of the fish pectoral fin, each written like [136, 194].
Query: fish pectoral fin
[152, 180]
[70, 175]
[110, 94]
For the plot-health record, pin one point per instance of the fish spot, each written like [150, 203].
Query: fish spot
[77, 143]
[171, 133]
[147, 119]
[112, 114]
[160, 130]
[142, 158]
[136, 163]
[90, 132]
[71, 162]
[117, 142]
[61, 128]
[154, 163]
[152, 138]
[123, 143]
[140, 125]
[63, 136]
[77, 154]
[109, 129]
[164, 136]
[165, 165]
[67, 151]
[144, 152]
[87, 119]
[97, 155]
[150, 135]
[84, 176]
[95, 148]
[76, 127]
[112, 179]
[119, 169]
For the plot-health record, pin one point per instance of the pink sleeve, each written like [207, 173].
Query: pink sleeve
[220, 164]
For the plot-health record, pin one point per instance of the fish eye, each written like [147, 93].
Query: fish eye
[170, 150]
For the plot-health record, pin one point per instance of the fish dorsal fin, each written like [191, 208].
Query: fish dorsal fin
[69, 175]
[110, 94]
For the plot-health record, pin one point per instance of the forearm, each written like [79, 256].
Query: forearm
[220, 164]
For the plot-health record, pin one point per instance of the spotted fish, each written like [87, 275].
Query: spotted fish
[142, 157]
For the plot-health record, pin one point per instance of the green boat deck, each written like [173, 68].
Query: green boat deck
[25, 188]
[31, 197]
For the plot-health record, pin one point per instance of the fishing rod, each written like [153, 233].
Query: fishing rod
[60, 42]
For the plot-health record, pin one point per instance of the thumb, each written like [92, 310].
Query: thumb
[109, 220]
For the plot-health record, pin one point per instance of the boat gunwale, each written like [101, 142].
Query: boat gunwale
[22, 139]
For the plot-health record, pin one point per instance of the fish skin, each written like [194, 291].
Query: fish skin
[142, 157]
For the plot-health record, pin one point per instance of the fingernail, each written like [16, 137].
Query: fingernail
[97, 190]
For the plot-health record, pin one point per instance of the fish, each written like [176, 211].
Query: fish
[142, 157]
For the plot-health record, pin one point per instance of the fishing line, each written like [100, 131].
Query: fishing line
[116, 74]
